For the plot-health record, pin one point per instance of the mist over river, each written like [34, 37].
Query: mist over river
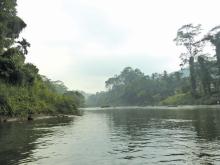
[116, 136]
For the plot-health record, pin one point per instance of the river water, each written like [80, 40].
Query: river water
[121, 136]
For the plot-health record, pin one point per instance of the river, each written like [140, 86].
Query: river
[123, 136]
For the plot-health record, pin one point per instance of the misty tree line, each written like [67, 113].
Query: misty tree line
[22, 89]
[197, 82]
[132, 87]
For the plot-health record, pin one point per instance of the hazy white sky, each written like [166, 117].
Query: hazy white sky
[84, 42]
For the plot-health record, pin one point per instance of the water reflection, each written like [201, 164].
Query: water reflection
[116, 136]
[166, 136]
[207, 124]
[18, 139]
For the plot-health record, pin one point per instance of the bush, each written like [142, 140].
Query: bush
[179, 99]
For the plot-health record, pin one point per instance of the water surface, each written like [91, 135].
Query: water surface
[116, 136]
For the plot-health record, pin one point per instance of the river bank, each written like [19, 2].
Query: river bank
[46, 116]
[180, 107]
[4, 119]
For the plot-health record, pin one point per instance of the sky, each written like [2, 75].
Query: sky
[85, 42]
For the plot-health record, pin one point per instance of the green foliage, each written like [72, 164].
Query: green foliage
[22, 90]
[75, 97]
[132, 87]
[187, 36]
[10, 25]
[204, 75]
[37, 98]
[178, 99]
[201, 86]
[59, 87]
[5, 109]
[188, 99]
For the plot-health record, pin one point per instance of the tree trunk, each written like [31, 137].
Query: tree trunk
[204, 75]
[218, 56]
[192, 76]
[218, 64]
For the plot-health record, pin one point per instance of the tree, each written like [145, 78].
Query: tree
[5, 109]
[12, 51]
[23, 45]
[204, 74]
[10, 24]
[214, 37]
[187, 36]
[75, 97]
[22, 90]
[132, 87]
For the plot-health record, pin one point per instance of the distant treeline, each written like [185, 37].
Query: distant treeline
[22, 90]
[200, 86]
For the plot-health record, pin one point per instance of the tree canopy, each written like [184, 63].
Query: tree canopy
[23, 90]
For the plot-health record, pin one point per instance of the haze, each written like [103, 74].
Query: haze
[83, 42]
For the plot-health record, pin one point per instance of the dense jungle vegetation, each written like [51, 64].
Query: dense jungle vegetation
[197, 82]
[23, 91]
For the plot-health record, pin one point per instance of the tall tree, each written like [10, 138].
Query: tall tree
[188, 37]
[12, 51]
[10, 24]
[214, 37]
[204, 74]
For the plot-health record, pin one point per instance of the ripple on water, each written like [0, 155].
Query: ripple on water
[119, 136]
